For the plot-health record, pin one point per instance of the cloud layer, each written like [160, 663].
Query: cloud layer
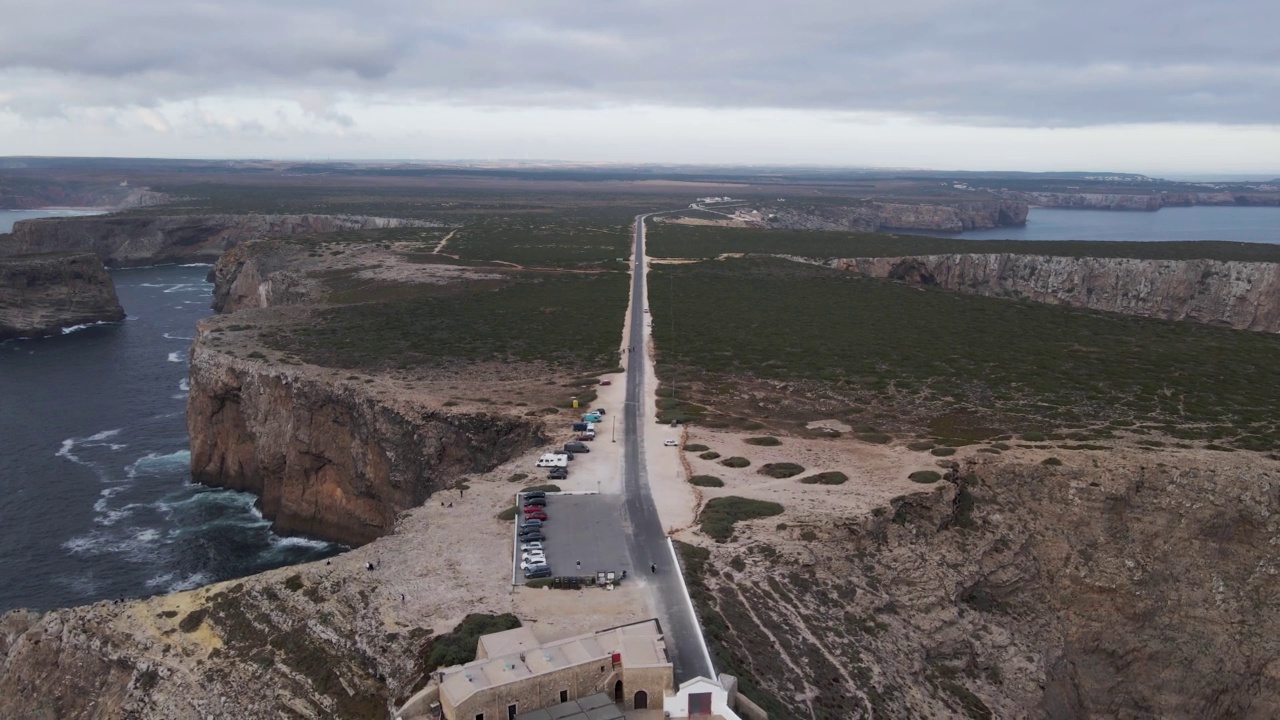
[1032, 63]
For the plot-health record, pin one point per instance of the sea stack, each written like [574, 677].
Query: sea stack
[46, 293]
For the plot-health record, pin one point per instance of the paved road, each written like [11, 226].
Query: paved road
[647, 542]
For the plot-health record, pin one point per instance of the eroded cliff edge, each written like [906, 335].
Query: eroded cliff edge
[1241, 295]
[156, 239]
[42, 294]
[332, 458]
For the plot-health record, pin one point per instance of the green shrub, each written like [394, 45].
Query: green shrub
[925, 476]
[459, 646]
[808, 535]
[735, 462]
[543, 488]
[517, 477]
[720, 514]
[1000, 445]
[1033, 436]
[694, 447]
[943, 451]
[781, 470]
[709, 455]
[1051, 462]
[921, 445]
[706, 481]
[874, 437]
[831, 477]
[509, 514]
[766, 441]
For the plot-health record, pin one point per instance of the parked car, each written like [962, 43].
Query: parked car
[538, 572]
[533, 536]
[578, 447]
[588, 435]
[558, 473]
[606, 382]
[562, 453]
[670, 443]
[600, 412]
[527, 565]
[534, 557]
[531, 546]
[538, 501]
[646, 309]
[580, 427]
[534, 514]
[534, 494]
[531, 523]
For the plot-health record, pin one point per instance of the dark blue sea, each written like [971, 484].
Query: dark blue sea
[96, 500]
[1237, 224]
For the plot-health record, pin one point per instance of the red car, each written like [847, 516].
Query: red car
[535, 514]
[606, 382]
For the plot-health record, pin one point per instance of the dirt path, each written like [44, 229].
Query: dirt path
[443, 242]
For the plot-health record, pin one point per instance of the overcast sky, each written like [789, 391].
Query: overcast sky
[1128, 85]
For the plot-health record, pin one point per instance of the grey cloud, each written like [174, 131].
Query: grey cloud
[1019, 62]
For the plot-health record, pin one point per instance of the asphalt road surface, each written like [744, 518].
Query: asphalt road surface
[647, 542]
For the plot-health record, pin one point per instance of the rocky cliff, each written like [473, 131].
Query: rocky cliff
[873, 216]
[42, 294]
[331, 458]
[150, 240]
[1147, 202]
[1243, 295]
[245, 277]
[1140, 590]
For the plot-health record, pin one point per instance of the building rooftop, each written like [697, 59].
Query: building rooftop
[593, 707]
[512, 655]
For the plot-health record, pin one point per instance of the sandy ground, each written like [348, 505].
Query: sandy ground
[673, 496]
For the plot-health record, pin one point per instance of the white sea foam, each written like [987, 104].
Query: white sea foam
[70, 443]
[82, 326]
[176, 356]
[168, 336]
[152, 463]
[184, 385]
[196, 265]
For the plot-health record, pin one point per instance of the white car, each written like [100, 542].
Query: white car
[670, 443]
[535, 545]
[529, 565]
[536, 559]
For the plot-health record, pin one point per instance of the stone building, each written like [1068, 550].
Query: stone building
[514, 673]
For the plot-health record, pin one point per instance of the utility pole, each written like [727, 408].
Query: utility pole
[673, 333]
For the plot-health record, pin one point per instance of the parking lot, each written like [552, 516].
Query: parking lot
[581, 529]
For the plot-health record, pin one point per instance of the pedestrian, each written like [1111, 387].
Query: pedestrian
[451, 504]
[461, 490]
[401, 598]
[368, 565]
[653, 567]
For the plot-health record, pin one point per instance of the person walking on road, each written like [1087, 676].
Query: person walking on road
[653, 567]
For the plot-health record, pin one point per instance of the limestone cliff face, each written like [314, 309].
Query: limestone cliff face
[1242, 295]
[244, 277]
[134, 241]
[874, 216]
[1147, 202]
[1134, 591]
[42, 294]
[327, 458]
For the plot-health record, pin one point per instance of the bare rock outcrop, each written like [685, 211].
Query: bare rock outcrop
[872, 216]
[150, 240]
[1135, 591]
[243, 278]
[329, 458]
[42, 294]
[1242, 295]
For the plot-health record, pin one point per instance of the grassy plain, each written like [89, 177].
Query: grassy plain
[954, 366]
[668, 240]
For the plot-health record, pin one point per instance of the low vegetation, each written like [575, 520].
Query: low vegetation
[702, 241]
[572, 320]
[766, 441]
[781, 469]
[980, 367]
[709, 455]
[706, 481]
[831, 477]
[925, 476]
[459, 646]
[720, 514]
[695, 447]
[735, 462]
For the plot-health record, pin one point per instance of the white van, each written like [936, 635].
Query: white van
[549, 460]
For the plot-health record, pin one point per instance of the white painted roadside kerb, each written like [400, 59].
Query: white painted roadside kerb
[702, 639]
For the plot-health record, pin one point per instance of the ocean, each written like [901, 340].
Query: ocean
[96, 500]
[1237, 224]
